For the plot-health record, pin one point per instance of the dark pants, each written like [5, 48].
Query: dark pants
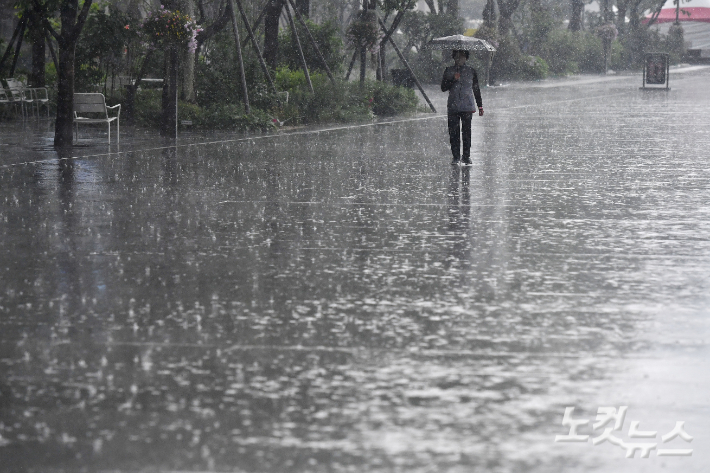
[456, 119]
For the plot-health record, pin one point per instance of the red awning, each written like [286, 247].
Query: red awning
[695, 10]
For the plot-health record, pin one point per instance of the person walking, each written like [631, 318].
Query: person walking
[461, 81]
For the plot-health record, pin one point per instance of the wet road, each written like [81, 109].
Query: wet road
[346, 301]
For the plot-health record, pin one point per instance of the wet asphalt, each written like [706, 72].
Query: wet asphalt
[344, 300]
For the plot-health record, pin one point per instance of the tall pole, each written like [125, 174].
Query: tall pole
[363, 51]
[17, 49]
[313, 41]
[8, 50]
[238, 43]
[298, 46]
[352, 63]
[255, 45]
[258, 21]
[174, 77]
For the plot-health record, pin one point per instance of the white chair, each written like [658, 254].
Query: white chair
[16, 94]
[31, 95]
[5, 99]
[41, 98]
[95, 104]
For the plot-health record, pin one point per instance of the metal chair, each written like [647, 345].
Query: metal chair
[95, 104]
[41, 97]
[14, 94]
[31, 95]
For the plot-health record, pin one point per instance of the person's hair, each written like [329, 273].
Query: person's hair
[453, 53]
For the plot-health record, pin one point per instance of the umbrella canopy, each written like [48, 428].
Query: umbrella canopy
[460, 42]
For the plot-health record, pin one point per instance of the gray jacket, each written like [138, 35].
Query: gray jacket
[463, 91]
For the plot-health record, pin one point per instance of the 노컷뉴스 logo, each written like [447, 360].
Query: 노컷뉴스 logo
[614, 418]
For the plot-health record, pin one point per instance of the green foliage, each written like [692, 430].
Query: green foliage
[217, 71]
[510, 63]
[342, 102]
[389, 6]
[148, 108]
[389, 100]
[339, 102]
[233, 117]
[329, 43]
[419, 28]
[100, 48]
[50, 74]
[569, 52]
[364, 32]
[166, 28]
[215, 117]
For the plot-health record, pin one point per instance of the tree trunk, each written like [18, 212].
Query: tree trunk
[490, 17]
[575, 20]
[363, 64]
[304, 7]
[431, 5]
[271, 32]
[452, 8]
[505, 19]
[67, 39]
[63, 133]
[170, 85]
[187, 85]
[621, 17]
[36, 37]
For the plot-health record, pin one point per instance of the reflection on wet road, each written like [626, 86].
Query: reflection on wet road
[346, 301]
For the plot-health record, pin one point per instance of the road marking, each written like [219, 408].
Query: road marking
[299, 133]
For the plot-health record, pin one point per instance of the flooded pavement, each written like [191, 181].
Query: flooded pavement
[346, 301]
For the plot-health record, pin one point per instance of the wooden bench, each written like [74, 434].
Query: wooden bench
[96, 105]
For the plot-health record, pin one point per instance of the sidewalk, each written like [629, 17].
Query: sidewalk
[342, 300]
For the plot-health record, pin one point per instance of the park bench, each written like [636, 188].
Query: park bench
[95, 104]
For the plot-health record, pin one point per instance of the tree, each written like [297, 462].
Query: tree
[36, 34]
[188, 73]
[575, 19]
[174, 32]
[304, 7]
[452, 7]
[389, 6]
[72, 21]
[498, 15]
[505, 19]
[271, 32]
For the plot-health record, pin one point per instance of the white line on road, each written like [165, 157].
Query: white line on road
[298, 133]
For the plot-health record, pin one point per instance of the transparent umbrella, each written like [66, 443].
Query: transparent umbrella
[460, 42]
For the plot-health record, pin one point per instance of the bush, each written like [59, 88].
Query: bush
[99, 51]
[339, 102]
[329, 43]
[388, 100]
[568, 52]
[510, 63]
[217, 71]
[148, 113]
[591, 53]
[342, 102]
[561, 51]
